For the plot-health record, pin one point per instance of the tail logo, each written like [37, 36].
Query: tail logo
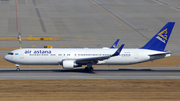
[163, 34]
[160, 40]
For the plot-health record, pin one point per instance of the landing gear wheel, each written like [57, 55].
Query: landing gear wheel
[87, 69]
[17, 66]
[91, 69]
[18, 69]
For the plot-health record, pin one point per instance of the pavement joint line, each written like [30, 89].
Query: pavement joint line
[96, 2]
[40, 20]
[176, 8]
[162, 2]
[34, 2]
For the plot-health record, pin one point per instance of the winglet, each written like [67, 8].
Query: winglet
[118, 51]
[159, 41]
[115, 44]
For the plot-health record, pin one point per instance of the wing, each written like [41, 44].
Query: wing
[95, 59]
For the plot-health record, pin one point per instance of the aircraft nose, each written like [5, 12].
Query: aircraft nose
[6, 57]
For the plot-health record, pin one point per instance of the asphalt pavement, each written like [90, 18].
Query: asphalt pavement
[99, 73]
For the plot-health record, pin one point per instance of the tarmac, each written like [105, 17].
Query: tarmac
[99, 73]
[88, 23]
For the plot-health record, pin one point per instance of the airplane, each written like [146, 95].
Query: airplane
[71, 58]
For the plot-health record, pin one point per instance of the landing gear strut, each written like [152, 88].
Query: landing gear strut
[89, 68]
[17, 67]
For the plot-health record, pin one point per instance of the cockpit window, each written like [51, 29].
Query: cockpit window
[10, 53]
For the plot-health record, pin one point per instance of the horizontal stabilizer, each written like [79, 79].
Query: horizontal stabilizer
[162, 53]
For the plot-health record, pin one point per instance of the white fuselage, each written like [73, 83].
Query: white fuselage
[55, 56]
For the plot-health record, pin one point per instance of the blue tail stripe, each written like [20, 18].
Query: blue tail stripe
[115, 44]
[159, 41]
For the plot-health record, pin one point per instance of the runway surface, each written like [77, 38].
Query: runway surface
[89, 23]
[99, 73]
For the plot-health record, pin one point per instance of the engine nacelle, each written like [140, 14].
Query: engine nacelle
[69, 64]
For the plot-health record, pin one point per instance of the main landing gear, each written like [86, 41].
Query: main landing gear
[89, 68]
[17, 67]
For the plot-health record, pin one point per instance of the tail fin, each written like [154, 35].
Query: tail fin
[159, 41]
[115, 44]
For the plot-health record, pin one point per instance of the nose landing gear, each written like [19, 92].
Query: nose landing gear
[17, 67]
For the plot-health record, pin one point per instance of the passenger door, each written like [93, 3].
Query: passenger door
[136, 55]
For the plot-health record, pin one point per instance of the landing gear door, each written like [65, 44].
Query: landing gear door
[136, 55]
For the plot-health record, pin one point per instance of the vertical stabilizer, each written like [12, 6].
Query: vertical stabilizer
[115, 44]
[159, 41]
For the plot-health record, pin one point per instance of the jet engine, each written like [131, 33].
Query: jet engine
[69, 64]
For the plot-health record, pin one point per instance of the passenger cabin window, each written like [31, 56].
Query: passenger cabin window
[10, 53]
[53, 54]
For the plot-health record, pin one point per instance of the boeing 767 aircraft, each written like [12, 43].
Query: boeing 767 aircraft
[70, 58]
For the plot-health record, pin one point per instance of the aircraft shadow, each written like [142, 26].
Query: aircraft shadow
[140, 70]
[46, 71]
[81, 70]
